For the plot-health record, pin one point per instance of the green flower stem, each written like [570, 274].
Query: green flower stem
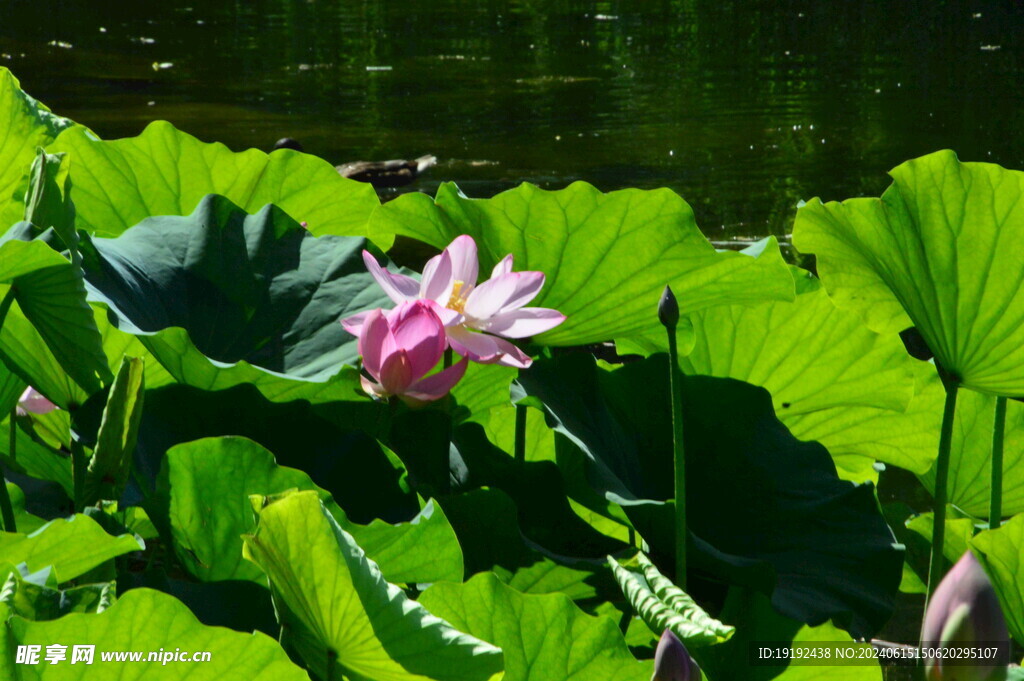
[5, 498]
[78, 464]
[941, 480]
[678, 457]
[995, 508]
[447, 358]
[520, 442]
[6, 508]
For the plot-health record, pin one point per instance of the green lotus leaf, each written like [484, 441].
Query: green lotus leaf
[663, 605]
[72, 547]
[222, 298]
[365, 478]
[339, 613]
[27, 124]
[51, 295]
[36, 459]
[145, 620]
[999, 551]
[544, 637]
[940, 251]
[971, 454]
[607, 257]
[164, 171]
[25, 521]
[816, 544]
[204, 495]
[35, 596]
[821, 366]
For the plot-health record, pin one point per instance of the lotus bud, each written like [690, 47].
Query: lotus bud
[33, 401]
[668, 309]
[964, 612]
[672, 662]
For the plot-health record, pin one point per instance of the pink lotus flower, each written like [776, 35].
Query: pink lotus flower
[399, 347]
[477, 319]
[32, 401]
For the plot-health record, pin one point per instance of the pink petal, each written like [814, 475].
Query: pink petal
[521, 323]
[437, 385]
[503, 267]
[398, 287]
[465, 267]
[503, 294]
[396, 372]
[373, 337]
[485, 349]
[354, 323]
[33, 401]
[420, 334]
[437, 279]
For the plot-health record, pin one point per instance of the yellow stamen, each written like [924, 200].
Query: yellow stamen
[457, 302]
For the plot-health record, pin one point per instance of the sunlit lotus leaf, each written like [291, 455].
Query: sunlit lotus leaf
[340, 614]
[544, 637]
[607, 257]
[204, 496]
[940, 251]
[116, 184]
[71, 546]
[27, 124]
[147, 620]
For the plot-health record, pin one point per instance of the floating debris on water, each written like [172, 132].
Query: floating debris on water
[379, 68]
[162, 65]
[61, 44]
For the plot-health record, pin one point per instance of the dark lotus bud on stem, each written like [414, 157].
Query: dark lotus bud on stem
[672, 662]
[964, 612]
[668, 309]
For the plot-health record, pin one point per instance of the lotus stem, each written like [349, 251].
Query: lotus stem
[941, 480]
[447, 357]
[995, 508]
[5, 498]
[78, 464]
[668, 314]
[520, 442]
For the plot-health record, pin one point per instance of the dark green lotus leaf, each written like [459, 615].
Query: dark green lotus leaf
[939, 251]
[817, 543]
[158, 622]
[236, 604]
[759, 625]
[545, 637]
[338, 612]
[486, 523]
[165, 171]
[607, 257]
[363, 477]
[222, 297]
[27, 124]
[203, 496]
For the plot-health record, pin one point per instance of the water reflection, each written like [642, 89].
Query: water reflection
[742, 107]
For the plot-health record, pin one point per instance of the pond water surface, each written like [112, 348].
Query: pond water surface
[744, 108]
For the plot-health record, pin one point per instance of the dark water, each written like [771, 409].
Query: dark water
[744, 108]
